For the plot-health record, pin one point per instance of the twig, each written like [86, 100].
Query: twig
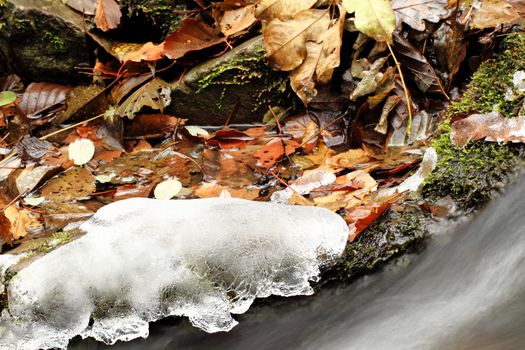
[407, 95]
[71, 127]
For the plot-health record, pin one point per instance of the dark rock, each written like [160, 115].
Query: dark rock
[238, 82]
[42, 40]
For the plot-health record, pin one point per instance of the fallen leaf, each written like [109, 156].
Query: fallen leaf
[359, 218]
[81, 151]
[7, 97]
[225, 170]
[87, 7]
[233, 16]
[491, 126]
[147, 52]
[374, 18]
[416, 12]
[415, 62]
[283, 9]
[155, 94]
[490, 13]
[229, 138]
[167, 189]
[153, 125]
[41, 97]
[32, 148]
[210, 190]
[370, 80]
[107, 15]
[196, 131]
[192, 35]
[274, 151]
[74, 184]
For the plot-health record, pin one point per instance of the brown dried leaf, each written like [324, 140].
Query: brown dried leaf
[283, 9]
[274, 151]
[74, 184]
[490, 13]
[416, 12]
[41, 97]
[87, 7]
[107, 15]
[233, 16]
[147, 52]
[155, 94]
[416, 63]
[193, 35]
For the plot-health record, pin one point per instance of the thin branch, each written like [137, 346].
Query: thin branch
[407, 95]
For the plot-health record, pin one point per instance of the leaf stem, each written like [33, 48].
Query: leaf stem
[407, 95]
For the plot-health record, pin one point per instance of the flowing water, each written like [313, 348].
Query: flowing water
[466, 291]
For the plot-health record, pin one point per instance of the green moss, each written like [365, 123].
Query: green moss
[164, 15]
[20, 23]
[238, 71]
[486, 91]
[470, 174]
[243, 70]
[55, 40]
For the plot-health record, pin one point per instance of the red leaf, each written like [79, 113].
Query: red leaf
[193, 35]
[107, 15]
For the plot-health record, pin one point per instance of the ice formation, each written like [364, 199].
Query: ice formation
[144, 259]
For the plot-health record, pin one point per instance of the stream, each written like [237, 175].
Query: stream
[465, 291]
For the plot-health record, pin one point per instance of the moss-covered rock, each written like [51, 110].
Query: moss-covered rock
[239, 81]
[393, 234]
[486, 91]
[154, 19]
[42, 40]
[471, 174]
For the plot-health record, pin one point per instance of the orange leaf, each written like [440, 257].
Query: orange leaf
[148, 52]
[274, 151]
[5, 229]
[193, 35]
[107, 15]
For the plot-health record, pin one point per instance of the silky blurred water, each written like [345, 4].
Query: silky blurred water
[465, 291]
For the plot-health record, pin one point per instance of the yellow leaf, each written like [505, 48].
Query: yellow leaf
[374, 18]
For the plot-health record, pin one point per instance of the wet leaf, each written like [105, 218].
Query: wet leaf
[224, 169]
[359, 218]
[7, 97]
[41, 97]
[491, 127]
[81, 151]
[83, 102]
[167, 189]
[155, 94]
[74, 184]
[209, 190]
[126, 85]
[33, 176]
[107, 15]
[274, 151]
[374, 18]
[153, 125]
[19, 220]
[416, 12]
[229, 138]
[196, 131]
[193, 35]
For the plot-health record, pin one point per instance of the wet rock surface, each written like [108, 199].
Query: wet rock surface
[42, 40]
